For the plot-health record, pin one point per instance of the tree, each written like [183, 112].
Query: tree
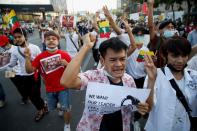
[170, 3]
[189, 5]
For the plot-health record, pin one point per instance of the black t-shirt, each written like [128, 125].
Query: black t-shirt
[113, 121]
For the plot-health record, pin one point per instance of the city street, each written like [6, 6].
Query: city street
[16, 117]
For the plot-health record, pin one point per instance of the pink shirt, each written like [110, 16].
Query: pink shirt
[92, 122]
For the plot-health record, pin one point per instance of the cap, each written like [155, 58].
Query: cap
[3, 40]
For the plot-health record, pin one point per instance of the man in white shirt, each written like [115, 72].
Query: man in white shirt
[168, 112]
[27, 84]
[72, 39]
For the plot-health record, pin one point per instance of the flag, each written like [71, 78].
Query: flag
[12, 20]
[104, 29]
[140, 57]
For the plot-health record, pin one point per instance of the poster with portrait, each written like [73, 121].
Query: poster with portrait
[105, 99]
[67, 20]
[5, 57]
[51, 63]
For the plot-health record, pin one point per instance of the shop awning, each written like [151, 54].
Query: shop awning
[28, 8]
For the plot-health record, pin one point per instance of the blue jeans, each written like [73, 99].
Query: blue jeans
[62, 97]
[2, 93]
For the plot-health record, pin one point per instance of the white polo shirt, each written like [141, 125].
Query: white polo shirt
[167, 109]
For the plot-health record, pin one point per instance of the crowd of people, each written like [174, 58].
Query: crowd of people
[168, 69]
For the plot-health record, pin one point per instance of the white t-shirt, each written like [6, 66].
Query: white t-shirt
[124, 37]
[70, 48]
[134, 68]
[17, 57]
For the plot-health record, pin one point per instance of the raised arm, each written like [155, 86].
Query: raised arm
[152, 74]
[150, 19]
[28, 66]
[70, 77]
[111, 21]
[132, 45]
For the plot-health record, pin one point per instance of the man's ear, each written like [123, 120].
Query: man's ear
[102, 60]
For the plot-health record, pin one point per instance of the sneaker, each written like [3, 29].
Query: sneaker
[58, 106]
[24, 102]
[2, 103]
[46, 110]
[67, 127]
[60, 113]
[39, 115]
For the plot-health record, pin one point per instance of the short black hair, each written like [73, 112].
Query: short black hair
[165, 23]
[20, 31]
[176, 45]
[137, 29]
[113, 43]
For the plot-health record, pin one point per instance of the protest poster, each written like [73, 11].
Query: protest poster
[134, 16]
[51, 63]
[4, 59]
[105, 98]
[67, 20]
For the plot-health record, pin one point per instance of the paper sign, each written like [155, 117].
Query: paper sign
[134, 16]
[67, 21]
[104, 98]
[51, 63]
[4, 59]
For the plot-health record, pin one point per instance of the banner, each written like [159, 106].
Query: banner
[67, 21]
[104, 98]
[51, 63]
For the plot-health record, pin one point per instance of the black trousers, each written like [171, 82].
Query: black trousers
[28, 87]
[193, 124]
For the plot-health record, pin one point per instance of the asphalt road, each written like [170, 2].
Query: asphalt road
[16, 117]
